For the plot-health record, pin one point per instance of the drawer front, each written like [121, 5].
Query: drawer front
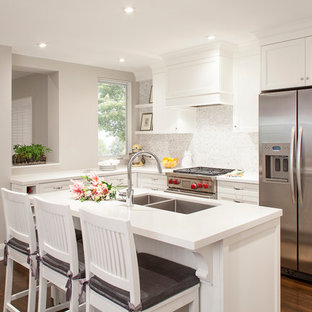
[18, 188]
[239, 198]
[120, 179]
[238, 187]
[153, 181]
[53, 186]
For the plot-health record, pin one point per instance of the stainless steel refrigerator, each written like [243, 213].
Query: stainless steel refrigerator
[285, 172]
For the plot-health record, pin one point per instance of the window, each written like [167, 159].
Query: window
[112, 119]
[22, 121]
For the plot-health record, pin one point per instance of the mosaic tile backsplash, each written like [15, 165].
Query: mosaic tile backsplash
[213, 144]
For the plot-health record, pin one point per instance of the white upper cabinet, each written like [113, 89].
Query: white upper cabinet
[308, 61]
[283, 65]
[168, 119]
[246, 89]
[200, 76]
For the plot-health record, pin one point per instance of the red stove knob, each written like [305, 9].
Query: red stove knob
[170, 181]
[206, 185]
[175, 181]
[200, 185]
[193, 186]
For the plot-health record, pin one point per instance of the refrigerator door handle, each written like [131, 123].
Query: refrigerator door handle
[292, 149]
[298, 164]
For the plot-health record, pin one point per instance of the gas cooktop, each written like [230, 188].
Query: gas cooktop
[208, 171]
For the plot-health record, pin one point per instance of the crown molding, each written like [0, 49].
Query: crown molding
[284, 32]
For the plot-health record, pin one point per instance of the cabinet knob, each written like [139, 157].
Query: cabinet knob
[308, 78]
[301, 78]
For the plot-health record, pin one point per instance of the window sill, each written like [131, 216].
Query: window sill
[36, 166]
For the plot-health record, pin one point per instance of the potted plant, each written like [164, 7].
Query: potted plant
[33, 154]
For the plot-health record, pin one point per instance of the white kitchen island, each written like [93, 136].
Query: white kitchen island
[235, 248]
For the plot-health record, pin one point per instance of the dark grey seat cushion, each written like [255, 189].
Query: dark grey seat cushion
[18, 245]
[63, 267]
[160, 279]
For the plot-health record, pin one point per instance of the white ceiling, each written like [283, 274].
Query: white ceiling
[97, 32]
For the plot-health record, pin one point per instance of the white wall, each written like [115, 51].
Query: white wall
[77, 109]
[5, 122]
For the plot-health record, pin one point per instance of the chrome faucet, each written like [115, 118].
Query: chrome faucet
[130, 189]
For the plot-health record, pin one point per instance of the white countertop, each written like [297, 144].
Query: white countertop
[61, 175]
[248, 177]
[190, 231]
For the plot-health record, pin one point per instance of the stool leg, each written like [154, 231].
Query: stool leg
[42, 294]
[31, 292]
[8, 284]
[194, 305]
[74, 298]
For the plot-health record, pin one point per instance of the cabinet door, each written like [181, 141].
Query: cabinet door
[309, 61]
[247, 89]
[283, 65]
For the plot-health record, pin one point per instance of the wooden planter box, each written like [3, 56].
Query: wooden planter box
[23, 161]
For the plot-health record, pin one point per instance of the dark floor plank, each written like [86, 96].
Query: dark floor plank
[296, 296]
[20, 282]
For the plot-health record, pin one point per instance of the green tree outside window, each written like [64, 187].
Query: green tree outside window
[112, 99]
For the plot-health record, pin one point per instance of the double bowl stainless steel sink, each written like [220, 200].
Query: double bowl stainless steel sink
[170, 204]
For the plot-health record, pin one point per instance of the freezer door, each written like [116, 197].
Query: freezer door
[277, 141]
[304, 167]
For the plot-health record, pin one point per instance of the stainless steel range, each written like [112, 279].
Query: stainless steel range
[198, 181]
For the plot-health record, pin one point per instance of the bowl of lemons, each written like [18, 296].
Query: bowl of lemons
[169, 162]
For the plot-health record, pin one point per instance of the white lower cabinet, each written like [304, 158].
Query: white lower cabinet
[116, 180]
[120, 179]
[156, 182]
[53, 186]
[238, 192]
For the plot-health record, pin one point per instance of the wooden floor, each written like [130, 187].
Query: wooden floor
[296, 296]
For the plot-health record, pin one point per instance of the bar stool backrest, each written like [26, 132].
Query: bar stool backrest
[56, 233]
[110, 252]
[19, 218]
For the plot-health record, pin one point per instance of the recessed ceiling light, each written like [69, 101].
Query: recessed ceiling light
[122, 60]
[129, 10]
[42, 45]
[211, 37]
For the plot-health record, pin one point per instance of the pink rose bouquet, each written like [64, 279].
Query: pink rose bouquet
[92, 188]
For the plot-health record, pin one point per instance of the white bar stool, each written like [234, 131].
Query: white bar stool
[59, 262]
[20, 246]
[119, 280]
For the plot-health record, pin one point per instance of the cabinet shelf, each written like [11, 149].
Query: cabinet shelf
[147, 105]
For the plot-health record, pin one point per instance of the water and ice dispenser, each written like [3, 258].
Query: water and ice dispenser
[276, 161]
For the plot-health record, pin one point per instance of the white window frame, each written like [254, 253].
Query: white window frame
[128, 117]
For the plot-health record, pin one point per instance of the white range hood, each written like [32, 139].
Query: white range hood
[200, 76]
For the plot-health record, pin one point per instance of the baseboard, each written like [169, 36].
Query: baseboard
[1, 251]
